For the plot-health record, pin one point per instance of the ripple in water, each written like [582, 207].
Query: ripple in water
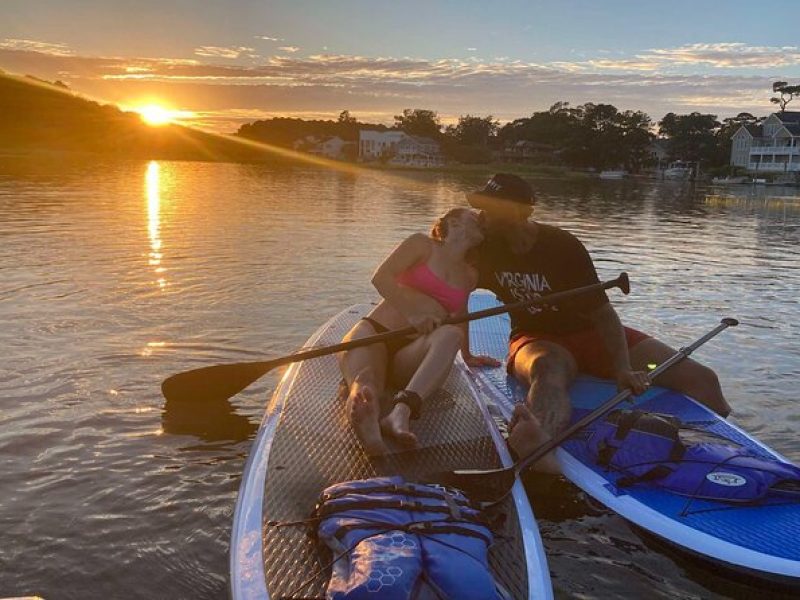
[116, 275]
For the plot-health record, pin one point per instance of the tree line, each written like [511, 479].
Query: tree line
[39, 114]
[597, 136]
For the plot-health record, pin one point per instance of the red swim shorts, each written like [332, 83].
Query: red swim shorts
[586, 346]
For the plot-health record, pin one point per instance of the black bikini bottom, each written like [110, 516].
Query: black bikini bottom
[394, 345]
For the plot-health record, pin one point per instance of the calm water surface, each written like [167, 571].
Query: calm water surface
[114, 276]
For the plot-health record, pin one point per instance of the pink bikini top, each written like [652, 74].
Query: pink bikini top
[421, 278]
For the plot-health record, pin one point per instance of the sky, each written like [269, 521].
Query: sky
[225, 63]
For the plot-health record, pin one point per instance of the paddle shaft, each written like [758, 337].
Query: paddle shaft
[604, 408]
[621, 282]
[218, 382]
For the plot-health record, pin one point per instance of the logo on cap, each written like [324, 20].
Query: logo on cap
[493, 185]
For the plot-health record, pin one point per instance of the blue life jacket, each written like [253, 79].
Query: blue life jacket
[646, 447]
[395, 540]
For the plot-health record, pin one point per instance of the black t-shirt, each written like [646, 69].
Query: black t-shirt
[557, 261]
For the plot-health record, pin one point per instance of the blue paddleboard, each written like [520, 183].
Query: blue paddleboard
[761, 540]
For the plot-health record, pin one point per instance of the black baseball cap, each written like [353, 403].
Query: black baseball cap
[502, 186]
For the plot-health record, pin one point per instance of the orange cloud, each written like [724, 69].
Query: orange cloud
[36, 46]
[225, 52]
[226, 93]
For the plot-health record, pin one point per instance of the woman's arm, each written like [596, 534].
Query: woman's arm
[479, 360]
[420, 310]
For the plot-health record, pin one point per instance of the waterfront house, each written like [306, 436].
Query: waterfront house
[399, 148]
[658, 151]
[417, 151]
[333, 147]
[330, 146]
[374, 145]
[773, 146]
[527, 151]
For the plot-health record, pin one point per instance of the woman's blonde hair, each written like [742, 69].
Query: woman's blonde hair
[441, 226]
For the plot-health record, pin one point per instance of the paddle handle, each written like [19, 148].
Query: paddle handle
[607, 406]
[622, 282]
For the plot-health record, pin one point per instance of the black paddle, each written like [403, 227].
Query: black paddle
[219, 382]
[497, 483]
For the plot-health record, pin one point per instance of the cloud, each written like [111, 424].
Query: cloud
[290, 49]
[640, 64]
[723, 55]
[268, 38]
[36, 46]
[729, 55]
[327, 83]
[225, 52]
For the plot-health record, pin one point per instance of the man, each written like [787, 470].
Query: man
[522, 259]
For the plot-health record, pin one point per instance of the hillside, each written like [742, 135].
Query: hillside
[39, 116]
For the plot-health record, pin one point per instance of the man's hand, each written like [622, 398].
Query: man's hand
[481, 360]
[636, 381]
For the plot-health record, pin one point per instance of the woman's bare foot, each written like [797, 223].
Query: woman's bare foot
[526, 435]
[396, 424]
[362, 411]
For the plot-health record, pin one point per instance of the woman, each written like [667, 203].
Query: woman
[424, 280]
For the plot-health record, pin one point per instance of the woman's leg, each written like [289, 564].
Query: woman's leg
[420, 368]
[364, 371]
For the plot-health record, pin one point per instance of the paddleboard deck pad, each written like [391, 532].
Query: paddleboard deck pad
[305, 445]
[760, 540]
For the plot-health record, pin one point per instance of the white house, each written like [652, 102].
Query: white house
[332, 147]
[416, 151]
[328, 146]
[373, 145]
[773, 146]
[399, 148]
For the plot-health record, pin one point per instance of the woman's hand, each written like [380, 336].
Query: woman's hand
[481, 360]
[424, 323]
[422, 312]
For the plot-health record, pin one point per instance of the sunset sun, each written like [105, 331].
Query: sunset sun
[156, 115]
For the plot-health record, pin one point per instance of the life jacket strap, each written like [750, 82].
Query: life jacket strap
[407, 490]
[417, 527]
[328, 509]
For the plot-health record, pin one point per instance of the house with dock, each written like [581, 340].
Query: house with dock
[773, 146]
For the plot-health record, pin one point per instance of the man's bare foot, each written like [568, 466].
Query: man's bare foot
[396, 424]
[526, 435]
[362, 411]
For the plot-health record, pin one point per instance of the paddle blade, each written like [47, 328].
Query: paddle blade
[215, 383]
[482, 486]
[624, 283]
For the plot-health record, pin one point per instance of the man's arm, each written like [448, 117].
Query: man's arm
[608, 325]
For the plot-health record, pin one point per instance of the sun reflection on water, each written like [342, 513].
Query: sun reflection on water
[153, 190]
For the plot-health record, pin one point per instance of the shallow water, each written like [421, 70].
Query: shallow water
[116, 275]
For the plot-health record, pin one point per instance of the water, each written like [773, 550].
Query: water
[116, 275]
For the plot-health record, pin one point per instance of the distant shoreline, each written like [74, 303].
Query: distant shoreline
[529, 170]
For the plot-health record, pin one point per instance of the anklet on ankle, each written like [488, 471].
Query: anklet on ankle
[410, 399]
